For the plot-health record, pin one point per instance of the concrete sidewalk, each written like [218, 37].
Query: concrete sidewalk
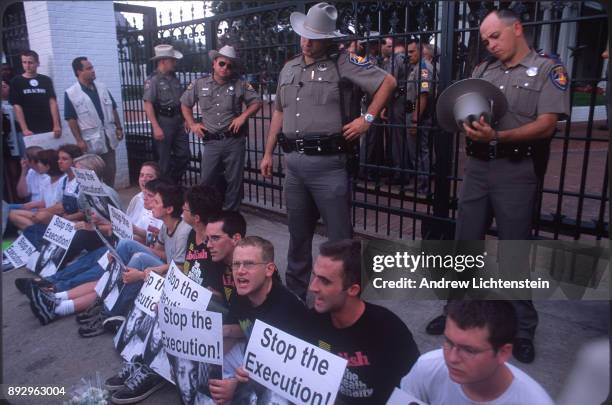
[56, 355]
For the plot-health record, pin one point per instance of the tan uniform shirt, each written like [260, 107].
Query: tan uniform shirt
[413, 86]
[535, 86]
[309, 95]
[164, 90]
[219, 103]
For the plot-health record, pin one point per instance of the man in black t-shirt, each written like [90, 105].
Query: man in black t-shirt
[261, 295]
[33, 99]
[378, 346]
[200, 203]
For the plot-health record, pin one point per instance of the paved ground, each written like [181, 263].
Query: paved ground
[56, 355]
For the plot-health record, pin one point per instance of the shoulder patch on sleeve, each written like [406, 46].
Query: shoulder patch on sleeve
[558, 76]
[424, 73]
[190, 86]
[147, 84]
[360, 61]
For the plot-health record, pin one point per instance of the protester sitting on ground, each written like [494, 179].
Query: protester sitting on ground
[71, 290]
[471, 368]
[31, 181]
[34, 212]
[202, 202]
[260, 294]
[138, 214]
[345, 322]
[140, 260]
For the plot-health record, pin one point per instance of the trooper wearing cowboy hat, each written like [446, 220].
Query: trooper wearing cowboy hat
[507, 153]
[315, 133]
[224, 124]
[162, 92]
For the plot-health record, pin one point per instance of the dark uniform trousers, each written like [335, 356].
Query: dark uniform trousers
[173, 150]
[372, 148]
[310, 195]
[508, 190]
[229, 154]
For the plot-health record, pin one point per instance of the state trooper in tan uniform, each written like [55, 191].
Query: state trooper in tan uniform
[507, 162]
[162, 92]
[315, 134]
[418, 88]
[223, 127]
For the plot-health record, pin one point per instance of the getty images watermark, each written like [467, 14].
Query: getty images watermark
[485, 269]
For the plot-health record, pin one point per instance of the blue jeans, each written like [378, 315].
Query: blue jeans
[83, 270]
[140, 257]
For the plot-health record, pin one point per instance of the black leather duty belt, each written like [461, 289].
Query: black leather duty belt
[512, 151]
[314, 144]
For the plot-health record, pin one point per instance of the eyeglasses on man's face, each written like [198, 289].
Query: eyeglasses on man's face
[464, 352]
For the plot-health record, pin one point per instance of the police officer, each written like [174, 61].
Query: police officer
[395, 113]
[507, 162]
[223, 126]
[418, 89]
[315, 134]
[162, 92]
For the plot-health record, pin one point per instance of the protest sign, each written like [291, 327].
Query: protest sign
[181, 291]
[55, 243]
[193, 342]
[122, 227]
[399, 397]
[291, 367]
[194, 335]
[111, 283]
[91, 187]
[149, 294]
[20, 251]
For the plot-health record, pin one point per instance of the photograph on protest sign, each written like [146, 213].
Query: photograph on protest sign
[94, 193]
[122, 227]
[193, 341]
[110, 284]
[130, 339]
[274, 358]
[55, 243]
[20, 252]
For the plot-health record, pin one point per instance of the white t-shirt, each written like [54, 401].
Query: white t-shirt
[428, 380]
[52, 194]
[36, 184]
[141, 217]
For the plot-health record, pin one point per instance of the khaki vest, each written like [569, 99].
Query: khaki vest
[92, 129]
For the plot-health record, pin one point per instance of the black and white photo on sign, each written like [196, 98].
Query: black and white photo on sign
[130, 338]
[100, 205]
[122, 227]
[55, 243]
[191, 379]
[274, 358]
[110, 284]
[20, 251]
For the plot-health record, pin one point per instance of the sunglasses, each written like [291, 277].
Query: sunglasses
[225, 64]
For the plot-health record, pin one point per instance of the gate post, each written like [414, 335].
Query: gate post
[443, 141]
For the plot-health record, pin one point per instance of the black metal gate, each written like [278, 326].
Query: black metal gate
[574, 199]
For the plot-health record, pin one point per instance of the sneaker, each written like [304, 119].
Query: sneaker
[138, 386]
[118, 380]
[94, 310]
[42, 305]
[23, 284]
[113, 323]
[93, 328]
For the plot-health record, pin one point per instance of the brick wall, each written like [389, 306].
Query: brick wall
[62, 30]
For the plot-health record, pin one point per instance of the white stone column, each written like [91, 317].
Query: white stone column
[545, 29]
[567, 36]
[60, 31]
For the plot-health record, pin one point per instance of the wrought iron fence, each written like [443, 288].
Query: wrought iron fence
[14, 34]
[574, 198]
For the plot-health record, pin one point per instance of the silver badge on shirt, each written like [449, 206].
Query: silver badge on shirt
[322, 67]
[532, 71]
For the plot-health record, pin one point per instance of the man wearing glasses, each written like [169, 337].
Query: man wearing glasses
[220, 97]
[260, 294]
[471, 368]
